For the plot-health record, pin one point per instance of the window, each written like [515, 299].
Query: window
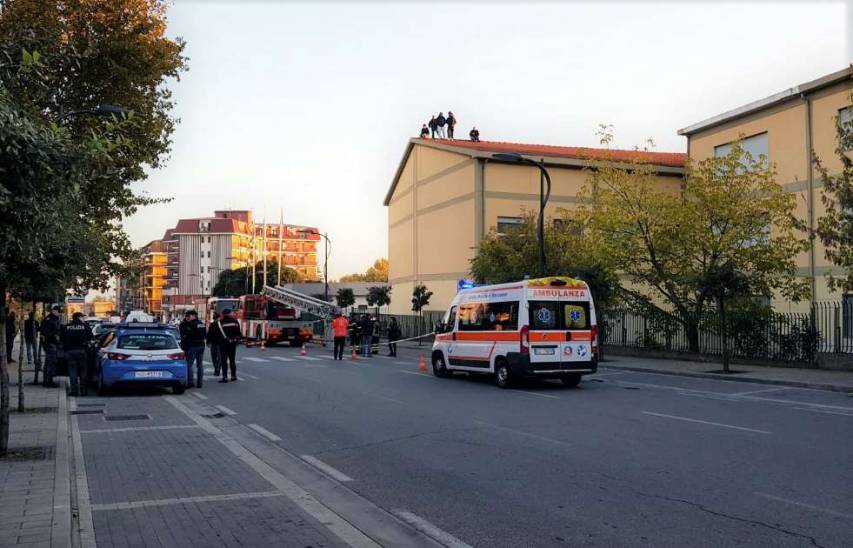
[501, 316]
[201, 255]
[505, 224]
[147, 341]
[470, 316]
[845, 115]
[208, 254]
[560, 315]
[845, 119]
[450, 322]
[756, 146]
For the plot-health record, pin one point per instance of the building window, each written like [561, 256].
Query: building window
[505, 224]
[208, 254]
[756, 146]
[845, 120]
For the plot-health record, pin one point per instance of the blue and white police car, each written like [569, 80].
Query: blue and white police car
[142, 353]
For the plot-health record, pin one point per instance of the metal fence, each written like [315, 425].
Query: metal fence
[753, 334]
[411, 325]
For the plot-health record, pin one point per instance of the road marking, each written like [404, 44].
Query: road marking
[537, 394]
[523, 433]
[335, 523]
[706, 422]
[258, 360]
[419, 374]
[138, 428]
[242, 374]
[283, 359]
[199, 395]
[389, 399]
[402, 363]
[804, 505]
[225, 410]
[184, 500]
[322, 466]
[608, 374]
[761, 391]
[264, 432]
[824, 411]
[309, 358]
[429, 529]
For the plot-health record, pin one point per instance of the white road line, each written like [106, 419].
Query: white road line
[403, 363]
[242, 374]
[523, 433]
[323, 467]
[138, 428]
[264, 432]
[537, 394]
[824, 411]
[389, 399]
[258, 360]
[762, 391]
[199, 395]
[282, 359]
[804, 505]
[419, 374]
[429, 529]
[184, 500]
[225, 410]
[706, 422]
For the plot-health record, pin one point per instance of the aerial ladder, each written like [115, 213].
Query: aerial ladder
[299, 301]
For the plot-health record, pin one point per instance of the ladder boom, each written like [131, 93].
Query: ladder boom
[300, 301]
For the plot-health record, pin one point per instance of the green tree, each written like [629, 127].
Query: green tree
[728, 214]
[835, 227]
[379, 296]
[345, 297]
[420, 299]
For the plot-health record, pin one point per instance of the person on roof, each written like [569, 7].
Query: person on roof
[451, 124]
[432, 125]
[440, 122]
[424, 132]
[474, 134]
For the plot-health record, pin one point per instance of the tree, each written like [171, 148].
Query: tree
[728, 213]
[379, 296]
[835, 227]
[237, 282]
[345, 297]
[420, 298]
[376, 273]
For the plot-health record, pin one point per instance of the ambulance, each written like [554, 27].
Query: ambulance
[543, 328]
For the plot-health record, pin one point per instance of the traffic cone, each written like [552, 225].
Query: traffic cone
[263, 346]
[303, 351]
[422, 364]
[353, 356]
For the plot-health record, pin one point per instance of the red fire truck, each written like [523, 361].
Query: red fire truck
[263, 319]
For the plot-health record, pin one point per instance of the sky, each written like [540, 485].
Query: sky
[306, 108]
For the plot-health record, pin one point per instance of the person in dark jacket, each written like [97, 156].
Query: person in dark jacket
[424, 132]
[193, 337]
[50, 339]
[366, 335]
[451, 124]
[211, 342]
[31, 327]
[229, 335]
[393, 334]
[11, 330]
[440, 122]
[432, 125]
[474, 134]
[75, 339]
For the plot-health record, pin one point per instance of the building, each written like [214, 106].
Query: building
[360, 291]
[447, 194]
[787, 127]
[154, 260]
[129, 294]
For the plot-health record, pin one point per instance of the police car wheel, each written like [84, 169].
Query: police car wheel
[438, 367]
[502, 378]
[570, 381]
[179, 389]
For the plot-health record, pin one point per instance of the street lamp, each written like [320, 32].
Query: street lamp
[101, 111]
[544, 194]
[328, 244]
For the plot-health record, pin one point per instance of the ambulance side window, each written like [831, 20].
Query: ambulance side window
[501, 316]
[470, 317]
[450, 323]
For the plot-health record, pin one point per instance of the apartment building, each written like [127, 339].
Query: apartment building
[153, 276]
[788, 127]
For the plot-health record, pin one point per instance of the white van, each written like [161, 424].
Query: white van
[543, 328]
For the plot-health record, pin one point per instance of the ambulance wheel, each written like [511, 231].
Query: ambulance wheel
[570, 381]
[439, 369]
[502, 375]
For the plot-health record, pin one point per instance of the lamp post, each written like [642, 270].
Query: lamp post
[327, 245]
[544, 195]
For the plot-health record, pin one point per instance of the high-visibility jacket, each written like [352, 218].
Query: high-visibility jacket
[340, 326]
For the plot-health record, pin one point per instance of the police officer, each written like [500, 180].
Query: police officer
[229, 331]
[193, 335]
[211, 338]
[75, 339]
[50, 339]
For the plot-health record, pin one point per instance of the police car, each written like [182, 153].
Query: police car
[141, 353]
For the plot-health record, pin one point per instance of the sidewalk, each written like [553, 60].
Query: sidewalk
[839, 381]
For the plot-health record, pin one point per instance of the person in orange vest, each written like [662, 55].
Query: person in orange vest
[340, 327]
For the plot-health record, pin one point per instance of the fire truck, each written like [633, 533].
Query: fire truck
[263, 319]
[218, 304]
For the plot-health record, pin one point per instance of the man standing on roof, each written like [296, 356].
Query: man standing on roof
[432, 125]
[440, 122]
[340, 326]
[451, 124]
[229, 329]
[193, 336]
[50, 339]
[75, 339]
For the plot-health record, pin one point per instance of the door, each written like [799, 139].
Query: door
[471, 346]
[577, 344]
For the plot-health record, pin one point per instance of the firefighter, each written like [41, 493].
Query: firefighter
[75, 339]
[50, 339]
[340, 325]
[229, 335]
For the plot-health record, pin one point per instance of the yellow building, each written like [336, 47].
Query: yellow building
[787, 127]
[154, 276]
[447, 194]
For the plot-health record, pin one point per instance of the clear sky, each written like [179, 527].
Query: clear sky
[307, 107]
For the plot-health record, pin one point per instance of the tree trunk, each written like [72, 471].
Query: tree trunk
[4, 377]
[724, 333]
[21, 363]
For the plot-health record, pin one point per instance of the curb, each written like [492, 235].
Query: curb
[698, 375]
[63, 503]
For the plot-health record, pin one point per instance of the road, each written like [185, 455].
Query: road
[626, 459]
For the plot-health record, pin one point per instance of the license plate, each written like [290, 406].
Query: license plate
[543, 351]
[148, 374]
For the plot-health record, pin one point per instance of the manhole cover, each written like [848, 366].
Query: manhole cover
[88, 412]
[29, 453]
[29, 410]
[127, 417]
[91, 404]
[214, 416]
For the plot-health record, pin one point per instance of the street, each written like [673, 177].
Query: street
[628, 459]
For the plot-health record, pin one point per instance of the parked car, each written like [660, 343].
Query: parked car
[142, 354]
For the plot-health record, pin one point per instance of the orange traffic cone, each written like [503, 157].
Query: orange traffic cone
[422, 364]
[353, 356]
[263, 346]
[303, 351]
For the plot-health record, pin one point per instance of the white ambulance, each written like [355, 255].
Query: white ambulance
[544, 328]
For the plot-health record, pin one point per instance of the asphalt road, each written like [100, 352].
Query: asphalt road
[625, 459]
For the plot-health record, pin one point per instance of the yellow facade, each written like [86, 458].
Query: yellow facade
[796, 122]
[154, 276]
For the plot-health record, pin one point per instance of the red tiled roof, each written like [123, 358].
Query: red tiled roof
[670, 159]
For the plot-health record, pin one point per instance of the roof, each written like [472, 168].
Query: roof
[671, 162]
[771, 101]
